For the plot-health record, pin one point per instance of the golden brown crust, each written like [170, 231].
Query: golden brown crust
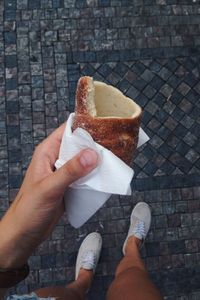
[81, 96]
[120, 135]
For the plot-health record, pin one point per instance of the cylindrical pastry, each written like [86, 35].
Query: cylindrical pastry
[112, 119]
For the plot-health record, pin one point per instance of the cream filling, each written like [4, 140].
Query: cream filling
[106, 101]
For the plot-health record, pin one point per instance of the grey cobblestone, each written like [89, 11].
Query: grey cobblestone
[150, 51]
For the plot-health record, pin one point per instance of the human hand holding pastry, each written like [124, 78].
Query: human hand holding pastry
[39, 202]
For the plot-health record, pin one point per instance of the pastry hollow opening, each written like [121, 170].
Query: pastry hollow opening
[106, 101]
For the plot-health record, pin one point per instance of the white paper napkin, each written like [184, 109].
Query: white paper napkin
[112, 176]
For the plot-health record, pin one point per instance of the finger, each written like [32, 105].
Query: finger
[79, 166]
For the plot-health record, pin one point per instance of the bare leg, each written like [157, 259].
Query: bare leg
[131, 278]
[76, 290]
[86, 262]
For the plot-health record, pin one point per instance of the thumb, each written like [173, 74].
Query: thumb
[77, 167]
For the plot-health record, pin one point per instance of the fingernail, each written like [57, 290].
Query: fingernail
[88, 158]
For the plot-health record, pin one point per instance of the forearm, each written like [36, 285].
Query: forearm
[14, 250]
[12, 253]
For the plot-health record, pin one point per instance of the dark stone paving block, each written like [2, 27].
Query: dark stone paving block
[12, 107]
[26, 125]
[45, 275]
[164, 73]
[139, 84]
[146, 117]
[188, 122]
[178, 260]
[177, 247]
[172, 65]
[131, 76]
[174, 81]
[191, 245]
[90, 56]
[185, 105]
[37, 93]
[190, 139]
[161, 115]
[15, 169]
[147, 75]
[11, 61]
[150, 168]
[163, 132]
[153, 249]
[13, 131]
[191, 80]
[166, 90]
[10, 15]
[34, 5]
[10, 38]
[182, 148]
[58, 3]
[10, 4]
[121, 69]
[24, 78]
[157, 82]
[138, 68]
[15, 181]
[88, 70]
[26, 138]
[153, 124]
[132, 92]
[196, 191]
[11, 84]
[192, 96]
[142, 100]
[13, 119]
[14, 143]
[4, 181]
[37, 81]
[149, 92]
[195, 129]
[167, 167]
[25, 112]
[194, 114]
[48, 261]
[181, 206]
[2, 127]
[155, 66]
[174, 220]
[14, 156]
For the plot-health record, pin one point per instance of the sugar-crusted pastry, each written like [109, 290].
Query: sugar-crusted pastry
[112, 119]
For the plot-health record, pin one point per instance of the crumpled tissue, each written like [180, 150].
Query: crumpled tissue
[112, 176]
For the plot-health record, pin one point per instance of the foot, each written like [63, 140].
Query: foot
[139, 224]
[88, 255]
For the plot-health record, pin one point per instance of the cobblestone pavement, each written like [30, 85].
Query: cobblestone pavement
[151, 51]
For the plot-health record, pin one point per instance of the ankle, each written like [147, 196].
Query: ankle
[85, 278]
[132, 244]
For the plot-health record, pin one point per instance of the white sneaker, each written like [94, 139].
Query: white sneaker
[89, 253]
[140, 222]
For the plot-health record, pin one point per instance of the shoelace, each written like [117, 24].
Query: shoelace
[139, 229]
[88, 260]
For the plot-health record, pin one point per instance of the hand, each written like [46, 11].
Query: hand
[39, 203]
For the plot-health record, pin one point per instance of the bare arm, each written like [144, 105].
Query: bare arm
[39, 203]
